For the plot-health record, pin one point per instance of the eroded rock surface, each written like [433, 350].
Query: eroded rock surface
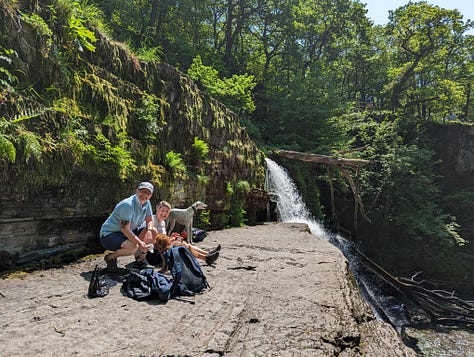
[276, 290]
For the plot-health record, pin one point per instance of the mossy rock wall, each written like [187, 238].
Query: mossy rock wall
[89, 114]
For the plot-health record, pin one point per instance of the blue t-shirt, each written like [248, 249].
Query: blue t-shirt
[130, 210]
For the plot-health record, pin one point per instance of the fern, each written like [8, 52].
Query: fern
[7, 149]
[150, 54]
[204, 219]
[174, 162]
[107, 153]
[243, 186]
[30, 144]
[7, 79]
[203, 179]
[229, 189]
[81, 34]
[26, 115]
[15, 139]
[200, 148]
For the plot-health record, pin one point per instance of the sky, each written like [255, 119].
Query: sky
[378, 9]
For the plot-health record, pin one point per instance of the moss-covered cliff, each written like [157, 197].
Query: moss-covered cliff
[82, 120]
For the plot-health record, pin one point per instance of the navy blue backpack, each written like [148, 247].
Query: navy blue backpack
[188, 277]
[148, 284]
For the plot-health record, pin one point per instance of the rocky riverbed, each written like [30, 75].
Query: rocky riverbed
[276, 290]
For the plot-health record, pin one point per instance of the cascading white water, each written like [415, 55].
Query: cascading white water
[290, 205]
[291, 208]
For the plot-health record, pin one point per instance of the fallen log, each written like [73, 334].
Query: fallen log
[322, 159]
[342, 164]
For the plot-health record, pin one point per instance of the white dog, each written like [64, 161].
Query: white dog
[185, 217]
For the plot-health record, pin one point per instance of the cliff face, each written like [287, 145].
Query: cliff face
[454, 146]
[100, 122]
[451, 268]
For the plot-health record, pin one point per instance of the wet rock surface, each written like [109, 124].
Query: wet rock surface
[276, 290]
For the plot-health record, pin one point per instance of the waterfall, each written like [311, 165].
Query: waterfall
[386, 302]
[290, 205]
[291, 208]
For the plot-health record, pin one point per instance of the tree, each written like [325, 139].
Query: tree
[235, 92]
[426, 44]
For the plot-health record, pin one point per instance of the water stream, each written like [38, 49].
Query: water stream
[385, 301]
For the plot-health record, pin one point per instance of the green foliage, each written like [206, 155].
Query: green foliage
[303, 110]
[148, 121]
[30, 145]
[26, 115]
[75, 143]
[200, 148]
[229, 189]
[150, 54]
[88, 11]
[107, 156]
[234, 92]
[426, 40]
[203, 180]
[174, 161]
[7, 79]
[237, 214]
[204, 219]
[400, 187]
[41, 27]
[15, 140]
[83, 36]
[81, 13]
[243, 187]
[7, 149]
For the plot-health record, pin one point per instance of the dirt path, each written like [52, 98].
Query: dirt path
[276, 290]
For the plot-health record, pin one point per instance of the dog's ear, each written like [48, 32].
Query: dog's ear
[163, 243]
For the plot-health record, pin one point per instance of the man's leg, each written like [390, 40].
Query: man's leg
[127, 248]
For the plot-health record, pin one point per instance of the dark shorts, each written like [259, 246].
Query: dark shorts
[113, 241]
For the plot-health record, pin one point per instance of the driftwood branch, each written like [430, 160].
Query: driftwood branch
[441, 306]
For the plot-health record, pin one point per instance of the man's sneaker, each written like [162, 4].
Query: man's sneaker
[211, 258]
[111, 264]
[216, 249]
[141, 264]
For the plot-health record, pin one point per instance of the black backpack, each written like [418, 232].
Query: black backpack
[199, 234]
[188, 277]
[97, 286]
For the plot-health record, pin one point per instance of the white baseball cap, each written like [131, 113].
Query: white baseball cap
[146, 185]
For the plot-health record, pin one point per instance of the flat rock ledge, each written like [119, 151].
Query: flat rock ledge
[276, 290]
